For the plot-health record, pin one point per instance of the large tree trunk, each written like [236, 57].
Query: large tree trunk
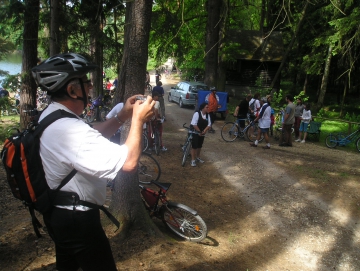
[283, 61]
[212, 41]
[126, 202]
[325, 79]
[55, 28]
[29, 59]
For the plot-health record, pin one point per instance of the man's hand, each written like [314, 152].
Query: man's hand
[143, 110]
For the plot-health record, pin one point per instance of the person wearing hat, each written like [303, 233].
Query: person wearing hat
[68, 144]
[264, 123]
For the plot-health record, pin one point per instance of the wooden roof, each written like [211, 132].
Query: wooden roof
[252, 45]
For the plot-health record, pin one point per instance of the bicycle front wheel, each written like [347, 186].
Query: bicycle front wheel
[253, 131]
[230, 131]
[183, 223]
[358, 144]
[157, 142]
[148, 168]
[331, 141]
[186, 151]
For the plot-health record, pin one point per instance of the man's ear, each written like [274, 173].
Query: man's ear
[71, 91]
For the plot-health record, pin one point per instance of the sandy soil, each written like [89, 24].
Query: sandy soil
[280, 209]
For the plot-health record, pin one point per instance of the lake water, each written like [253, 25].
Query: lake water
[11, 64]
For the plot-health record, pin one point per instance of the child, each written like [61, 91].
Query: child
[305, 120]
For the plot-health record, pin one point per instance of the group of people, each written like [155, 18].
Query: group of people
[260, 111]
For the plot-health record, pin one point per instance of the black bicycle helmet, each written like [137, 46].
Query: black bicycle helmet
[53, 73]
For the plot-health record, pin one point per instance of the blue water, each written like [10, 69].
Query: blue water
[11, 64]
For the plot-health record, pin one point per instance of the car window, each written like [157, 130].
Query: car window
[179, 85]
[195, 88]
[185, 87]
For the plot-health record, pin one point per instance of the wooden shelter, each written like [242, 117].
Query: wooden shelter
[256, 58]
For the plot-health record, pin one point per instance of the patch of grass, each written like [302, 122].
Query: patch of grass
[6, 123]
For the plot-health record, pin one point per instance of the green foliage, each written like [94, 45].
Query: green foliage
[6, 128]
[302, 96]
[11, 82]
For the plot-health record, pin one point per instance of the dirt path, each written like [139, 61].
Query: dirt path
[279, 209]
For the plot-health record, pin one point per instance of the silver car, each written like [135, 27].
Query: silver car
[185, 93]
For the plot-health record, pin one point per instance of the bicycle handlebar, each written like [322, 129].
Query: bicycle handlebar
[189, 130]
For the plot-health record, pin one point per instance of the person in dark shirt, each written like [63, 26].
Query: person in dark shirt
[3, 93]
[159, 89]
[157, 76]
[242, 110]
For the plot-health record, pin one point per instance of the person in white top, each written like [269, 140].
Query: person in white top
[264, 123]
[68, 144]
[201, 123]
[305, 120]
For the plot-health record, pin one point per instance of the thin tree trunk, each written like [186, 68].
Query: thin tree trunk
[213, 8]
[325, 79]
[29, 59]
[54, 28]
[305, 83]
[346, 86]
[221, 82]
[277, 75]
[126, 203]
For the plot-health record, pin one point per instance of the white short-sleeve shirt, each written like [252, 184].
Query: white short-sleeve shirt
[70, 143]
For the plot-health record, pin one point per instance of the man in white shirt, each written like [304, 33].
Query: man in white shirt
[69, 144]
[264, 123]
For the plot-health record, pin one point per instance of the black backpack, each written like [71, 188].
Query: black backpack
[26, 176]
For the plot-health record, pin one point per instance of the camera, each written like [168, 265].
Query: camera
[141, 98]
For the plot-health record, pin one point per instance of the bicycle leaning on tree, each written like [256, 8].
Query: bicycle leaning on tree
[340, 139]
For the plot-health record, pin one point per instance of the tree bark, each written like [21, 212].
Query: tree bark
[325, 79]
[221, 82]
[283, 61]
[29, 60]
[212, 41]
[54, 28]
[127, 205]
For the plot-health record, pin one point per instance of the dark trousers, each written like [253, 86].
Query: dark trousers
[80, 240]
[212, 117]
[287, 138]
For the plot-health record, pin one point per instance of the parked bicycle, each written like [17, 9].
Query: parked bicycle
[148, 87]
[148, 169]
[98, 108]
[231, 130]
[179, 218]
[187, 145]
[340, 139]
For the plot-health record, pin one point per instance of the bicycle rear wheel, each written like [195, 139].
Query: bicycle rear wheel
[183, 223]
[230, 131]
[145, 142]
[331, 141]
[358, 144]
[252, 132]
[148, 168]
[186, 151]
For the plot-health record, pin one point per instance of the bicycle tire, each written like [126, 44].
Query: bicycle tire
[144, 142]
[229, 131]
[358, 144]
[252, 135]
[186, 151]
[148, 168]
[157, 142]
[183, 223]
[149, 88]
[331, 141]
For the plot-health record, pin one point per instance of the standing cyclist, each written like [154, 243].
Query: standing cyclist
[69, 143]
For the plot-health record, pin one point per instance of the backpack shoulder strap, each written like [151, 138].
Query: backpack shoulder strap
[49, 119]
